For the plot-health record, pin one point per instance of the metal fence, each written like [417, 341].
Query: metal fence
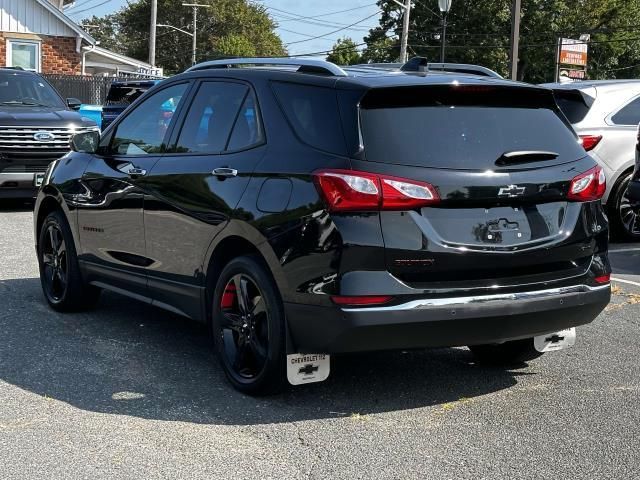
[86, 88]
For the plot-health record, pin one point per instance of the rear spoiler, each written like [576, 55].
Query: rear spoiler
[575, 94]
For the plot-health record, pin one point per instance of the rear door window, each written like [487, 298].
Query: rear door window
[313, 114]
[628, 115]
[222, 117]
[466, 133]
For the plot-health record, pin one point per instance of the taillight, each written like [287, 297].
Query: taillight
[351, 190]
[589, 142]
[603, 279]
[588, 186]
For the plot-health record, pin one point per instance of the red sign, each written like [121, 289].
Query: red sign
[573, 52]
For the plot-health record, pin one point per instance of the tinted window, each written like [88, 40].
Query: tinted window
[143, 131]
[125, 94]
[221, 114]
[572, 105]
[313, 114]
[18, 89]
[629, 115]
[462, 137]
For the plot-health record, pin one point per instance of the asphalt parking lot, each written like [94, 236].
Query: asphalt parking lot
[128, 391]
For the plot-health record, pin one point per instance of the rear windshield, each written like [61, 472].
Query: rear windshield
[572, 105]
[124, 95]
[461, 135]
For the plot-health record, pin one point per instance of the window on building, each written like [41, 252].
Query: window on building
[24, 54]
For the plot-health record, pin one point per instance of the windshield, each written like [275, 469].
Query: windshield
[125, 94]
[17, 89]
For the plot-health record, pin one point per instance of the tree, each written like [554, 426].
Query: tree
[345, 52]
[227, 28]
[479, 32]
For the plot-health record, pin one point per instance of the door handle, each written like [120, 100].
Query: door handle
[135, 172]
[225, 172]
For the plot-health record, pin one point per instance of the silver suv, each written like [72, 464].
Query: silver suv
[605, 114]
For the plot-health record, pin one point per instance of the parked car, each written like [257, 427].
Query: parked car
[606, 114]
[311, 210]
[120, 96]
[36, 125]
[633, 192]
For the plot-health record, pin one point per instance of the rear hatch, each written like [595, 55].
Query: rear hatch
[502, 159]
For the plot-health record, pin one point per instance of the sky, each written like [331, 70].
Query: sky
[295, 32]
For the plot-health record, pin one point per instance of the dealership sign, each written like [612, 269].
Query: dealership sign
[573, 52]
[571, 59]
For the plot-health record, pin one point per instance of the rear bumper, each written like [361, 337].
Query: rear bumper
[444, 322]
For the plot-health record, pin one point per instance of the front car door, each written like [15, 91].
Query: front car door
[110, 212]
[193, 189]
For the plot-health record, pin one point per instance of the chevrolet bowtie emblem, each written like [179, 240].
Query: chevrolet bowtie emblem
[511, 191]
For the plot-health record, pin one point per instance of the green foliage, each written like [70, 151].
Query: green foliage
[227, 28]
[345, 52]
[479, 30]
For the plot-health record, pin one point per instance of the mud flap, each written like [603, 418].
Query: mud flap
[555, 341]
[307, 368]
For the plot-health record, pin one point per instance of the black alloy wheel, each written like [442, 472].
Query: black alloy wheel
[62, 283]
[245, 327]
[248, 327]
[55, 263]
[627, 220]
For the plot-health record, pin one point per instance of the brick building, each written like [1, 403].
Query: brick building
[37, 35]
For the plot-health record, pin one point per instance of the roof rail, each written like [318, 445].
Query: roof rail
[306, 65]
[419, 64]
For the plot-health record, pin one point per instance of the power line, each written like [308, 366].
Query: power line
[322, 23]
[335, 31]
[91, 8]
[300, 17]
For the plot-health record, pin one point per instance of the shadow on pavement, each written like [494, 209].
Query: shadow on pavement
[16, 205]
[128, 358]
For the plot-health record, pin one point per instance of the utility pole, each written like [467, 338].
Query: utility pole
[194, 42]
[152, 33]
[405, 29]
[516, 9]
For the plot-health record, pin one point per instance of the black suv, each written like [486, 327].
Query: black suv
[35, 128]
[311, 210]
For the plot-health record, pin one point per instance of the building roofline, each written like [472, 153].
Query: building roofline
[117, 56]
[67, 21]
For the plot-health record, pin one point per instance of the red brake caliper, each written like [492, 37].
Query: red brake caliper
[229, 296]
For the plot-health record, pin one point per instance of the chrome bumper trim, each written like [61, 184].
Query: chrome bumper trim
[481, 299]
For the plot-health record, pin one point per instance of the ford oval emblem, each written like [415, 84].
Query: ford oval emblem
[43, 136]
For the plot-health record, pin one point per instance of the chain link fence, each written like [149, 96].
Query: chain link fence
[86, 88]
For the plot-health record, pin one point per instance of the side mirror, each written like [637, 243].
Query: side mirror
[85, 142]
[74, 103]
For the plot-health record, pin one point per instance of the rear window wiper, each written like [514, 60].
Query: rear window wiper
[525, 156]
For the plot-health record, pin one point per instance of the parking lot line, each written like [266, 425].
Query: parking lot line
[623, 250]
[630, 282]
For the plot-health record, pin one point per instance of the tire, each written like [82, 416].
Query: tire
[248, 327]
[60, 277]
[508, 353]
[625, 223]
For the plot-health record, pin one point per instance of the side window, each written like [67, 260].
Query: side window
[313, 114]
[222, 117]
[628, 115]
[143, 131]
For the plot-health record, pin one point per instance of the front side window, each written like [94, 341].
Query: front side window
[223, 117]
[23, 54]
[143, 131]
[628, 115]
